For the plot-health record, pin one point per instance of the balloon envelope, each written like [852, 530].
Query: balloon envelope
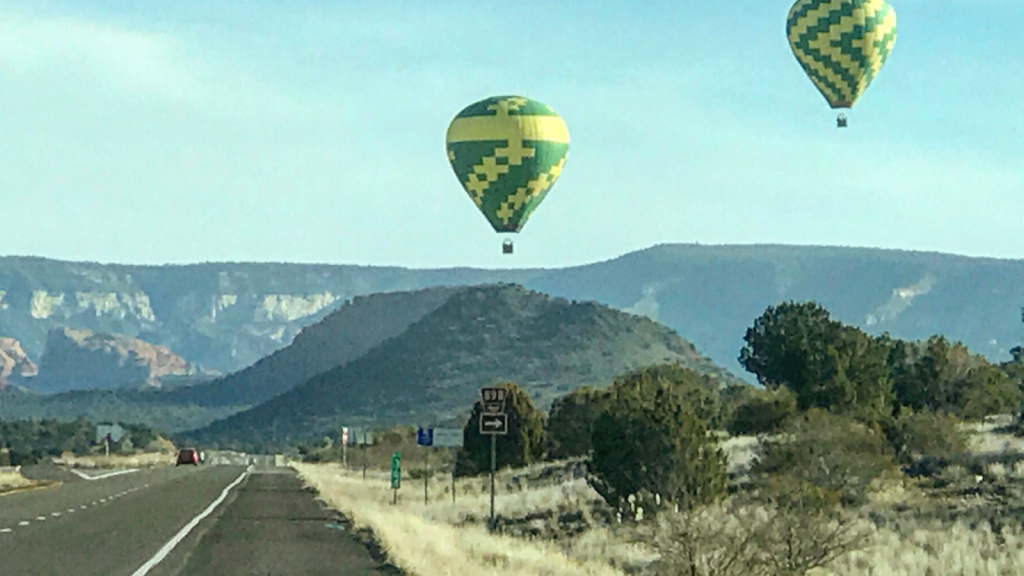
[841, 44]
[507, 152]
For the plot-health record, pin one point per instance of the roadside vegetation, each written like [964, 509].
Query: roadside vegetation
[861, 455]
[25, 442]
[11, 480]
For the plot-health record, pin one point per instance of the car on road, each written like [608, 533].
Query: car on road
[188, 456]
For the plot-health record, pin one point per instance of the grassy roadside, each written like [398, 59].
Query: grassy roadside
[12, 482]
[428, 540]
[115, 461]
[553, 523]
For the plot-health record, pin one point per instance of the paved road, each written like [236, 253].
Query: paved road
[266, 524]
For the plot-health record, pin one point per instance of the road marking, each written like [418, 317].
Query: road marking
[85, 476]
[163, 552]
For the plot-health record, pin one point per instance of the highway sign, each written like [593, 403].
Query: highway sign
[448, 437]
[359, 436]
[396, 470]
[493, 394]
[425, 436]
[494, 407]
[494, 424]
[115, 431]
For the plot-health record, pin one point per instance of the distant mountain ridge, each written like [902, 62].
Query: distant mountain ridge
[85, 360]
[228, 316]
[340, 337]
[482, 335]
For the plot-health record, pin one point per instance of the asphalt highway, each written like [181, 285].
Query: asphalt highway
[175, 521]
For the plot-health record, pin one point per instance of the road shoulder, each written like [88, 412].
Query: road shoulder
[275, 525]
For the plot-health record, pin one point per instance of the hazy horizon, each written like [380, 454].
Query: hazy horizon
[314, 133]
[502, 267]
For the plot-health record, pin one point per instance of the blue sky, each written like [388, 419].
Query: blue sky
[313, 131]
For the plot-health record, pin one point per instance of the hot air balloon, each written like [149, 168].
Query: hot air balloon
[507, 152]
[841, 44]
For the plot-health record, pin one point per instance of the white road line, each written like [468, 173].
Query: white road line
[163, 552]
[85, 476]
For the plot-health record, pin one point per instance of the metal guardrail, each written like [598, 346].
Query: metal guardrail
[232, 458]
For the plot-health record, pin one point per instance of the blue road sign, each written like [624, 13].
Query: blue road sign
[425, 436]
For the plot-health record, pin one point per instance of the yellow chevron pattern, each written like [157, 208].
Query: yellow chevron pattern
[841, 44]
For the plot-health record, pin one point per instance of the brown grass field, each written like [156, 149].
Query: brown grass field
[553, 523]
[101, 462]
[14, 481]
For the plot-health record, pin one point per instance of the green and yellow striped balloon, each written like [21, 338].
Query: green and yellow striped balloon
[507, 152]
[842, 44]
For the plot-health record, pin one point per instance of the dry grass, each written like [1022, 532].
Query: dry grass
[13, 481]
[100, 462]
[986, 438]
[957, 550]
[443, 537]
[421, 540]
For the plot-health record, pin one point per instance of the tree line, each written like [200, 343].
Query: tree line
[25, 442]
[852, 406]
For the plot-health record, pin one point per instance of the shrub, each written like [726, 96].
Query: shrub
[697, 392]
[743, 539]
[833, 453]
[938, 375]
[925, 434]
[649, 441]
[522, 446]
[826, 363]
[571, 422]
[764, 413]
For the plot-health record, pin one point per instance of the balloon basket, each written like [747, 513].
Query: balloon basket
[841, 121]
[506, 247]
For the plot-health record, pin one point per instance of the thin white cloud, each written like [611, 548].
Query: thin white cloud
[105, 58]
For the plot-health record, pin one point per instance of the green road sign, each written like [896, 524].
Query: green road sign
[396, 470]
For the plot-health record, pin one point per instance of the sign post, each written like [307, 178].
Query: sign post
[493, 422]
[344, 446]
[109, 434]
[396, 474]
[425, 438]
[362, 450]
[449, 438]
